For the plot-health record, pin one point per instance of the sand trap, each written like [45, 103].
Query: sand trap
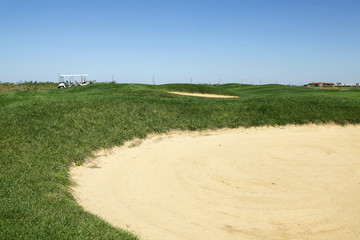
[262, 183]
[203, 95]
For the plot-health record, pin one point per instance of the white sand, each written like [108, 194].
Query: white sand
[204, 95]
[294, 182]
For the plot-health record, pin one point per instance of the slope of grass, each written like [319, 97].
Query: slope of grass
[250, 90]
[43, 132]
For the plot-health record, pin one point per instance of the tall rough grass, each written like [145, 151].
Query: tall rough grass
[26, 86]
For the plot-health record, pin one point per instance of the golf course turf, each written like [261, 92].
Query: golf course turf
[44, 132]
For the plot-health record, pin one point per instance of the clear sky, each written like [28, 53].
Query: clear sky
[249, 41]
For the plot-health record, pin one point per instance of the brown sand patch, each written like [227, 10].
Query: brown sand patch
[204, 95]
[294, 182]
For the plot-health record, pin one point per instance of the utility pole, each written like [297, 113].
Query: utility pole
[153, 80]
[191, 80]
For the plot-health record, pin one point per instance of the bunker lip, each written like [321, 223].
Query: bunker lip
[203, 95]
[260, 183]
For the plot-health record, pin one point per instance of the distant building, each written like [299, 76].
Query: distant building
[320, 84]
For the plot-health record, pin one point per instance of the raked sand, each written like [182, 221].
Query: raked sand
[206, 95]
[293, 182]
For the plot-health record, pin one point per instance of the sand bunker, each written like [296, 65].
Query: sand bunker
[294, 182]
[204, 95]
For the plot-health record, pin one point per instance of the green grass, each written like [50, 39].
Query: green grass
[43, 132]
[26, 86]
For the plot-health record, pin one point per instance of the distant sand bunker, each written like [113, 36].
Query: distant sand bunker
[204, 95]
[294, 182]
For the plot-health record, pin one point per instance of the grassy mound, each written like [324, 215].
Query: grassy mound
[43, 132]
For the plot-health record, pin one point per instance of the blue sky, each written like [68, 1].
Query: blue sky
[249, 41]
